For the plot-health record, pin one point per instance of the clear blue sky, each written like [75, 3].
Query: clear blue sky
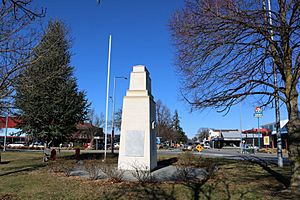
[140, 35]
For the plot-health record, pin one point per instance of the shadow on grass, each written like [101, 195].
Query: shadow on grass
[196, 189]
[265, 166]
[7, 197]
[92, 156]
[142, 191]
[23, 169]
[226, 189]
[4, 162]
[165, 163]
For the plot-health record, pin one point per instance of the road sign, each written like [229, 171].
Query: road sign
[199, 148]
[258, 112]
[258, 109]
[266, 140]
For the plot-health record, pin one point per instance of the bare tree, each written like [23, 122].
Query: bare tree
[202, 134]
[225, 53]
[95, 123]
[16, 42]
[164, 122]
[94, 119]
[118, 119]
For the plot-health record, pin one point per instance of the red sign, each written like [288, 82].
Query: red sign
[258, 112]
[258, 109]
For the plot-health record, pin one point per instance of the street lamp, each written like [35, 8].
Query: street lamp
[113, 112]
[277, 111]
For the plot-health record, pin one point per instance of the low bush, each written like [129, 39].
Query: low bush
[113, 173]
[142, 174]
[62, 166]
[187, 158]
[93, 167]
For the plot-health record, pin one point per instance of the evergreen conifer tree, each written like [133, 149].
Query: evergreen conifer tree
[47, 95]
[178, 131]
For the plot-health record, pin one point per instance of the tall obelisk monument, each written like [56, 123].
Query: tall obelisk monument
[138, 131]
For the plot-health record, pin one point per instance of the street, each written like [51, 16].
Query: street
[233, 153]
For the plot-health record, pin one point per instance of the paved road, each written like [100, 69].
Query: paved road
[231, 154]
[215, 153]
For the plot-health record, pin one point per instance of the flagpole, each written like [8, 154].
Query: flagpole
[107, 96]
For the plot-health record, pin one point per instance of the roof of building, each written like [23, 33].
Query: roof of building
[231, 135]
[256, 130]
[225, 130]
[11, 123]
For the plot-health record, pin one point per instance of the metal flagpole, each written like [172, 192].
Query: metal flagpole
[107, 96]
[277, 111]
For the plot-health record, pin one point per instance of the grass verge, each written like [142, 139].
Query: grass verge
[25, 176]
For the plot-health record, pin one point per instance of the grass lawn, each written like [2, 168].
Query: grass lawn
[23, 175]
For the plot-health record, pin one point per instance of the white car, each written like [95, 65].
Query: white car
[17, 144]
[116, 145]
[37, 144]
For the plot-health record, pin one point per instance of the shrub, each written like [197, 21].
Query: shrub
[188, 162]
[113, 173]
[93, 168]
[142, 173]
[186, 158]
[63, 166]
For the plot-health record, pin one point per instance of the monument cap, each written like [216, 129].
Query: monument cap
[140, 80]
[140, 68]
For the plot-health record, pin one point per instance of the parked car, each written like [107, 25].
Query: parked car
[187, 147]
[116, 145]
[37, 144]
[17, 144]
[205, 145]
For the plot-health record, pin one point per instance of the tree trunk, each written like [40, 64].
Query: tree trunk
[294, 153]
[294, 144]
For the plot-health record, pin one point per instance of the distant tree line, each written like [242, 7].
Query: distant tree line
[168, 127]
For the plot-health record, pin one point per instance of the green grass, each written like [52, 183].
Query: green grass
[25, 176]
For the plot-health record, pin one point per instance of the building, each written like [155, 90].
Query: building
[13, 134]
[84, 136]
[255, 136]
[273, 133]
[87, 135]
[219, 138]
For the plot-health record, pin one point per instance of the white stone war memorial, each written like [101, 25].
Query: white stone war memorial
[138, 136]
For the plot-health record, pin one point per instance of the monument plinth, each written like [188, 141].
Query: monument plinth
[138, 137]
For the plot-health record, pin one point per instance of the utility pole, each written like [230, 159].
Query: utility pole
[241, 124]
[277, 111]
[6, 127]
